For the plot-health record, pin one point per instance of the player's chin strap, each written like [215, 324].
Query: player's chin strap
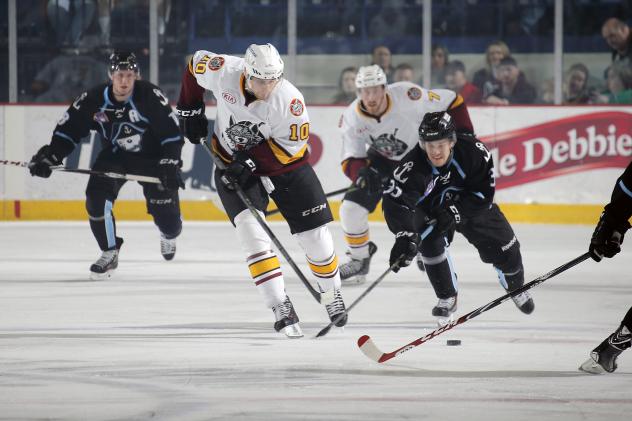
[324, 297]
[108, 174]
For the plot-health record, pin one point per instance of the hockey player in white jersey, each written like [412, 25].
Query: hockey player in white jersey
[261, 133]
[378, 129]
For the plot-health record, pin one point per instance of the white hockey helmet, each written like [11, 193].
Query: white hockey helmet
[263, 62]
[370, 76]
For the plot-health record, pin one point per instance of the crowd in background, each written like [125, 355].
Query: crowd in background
[502, 82]
[80, 37]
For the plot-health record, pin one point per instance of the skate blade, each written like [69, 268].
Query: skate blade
[592, 367]
[442, 321]
[354, 280]
[94, 276]
[293, 331]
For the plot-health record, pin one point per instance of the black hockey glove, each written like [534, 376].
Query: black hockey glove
[447, 218]
[370, 179]
[607, 238]
[170, 174]
[41, 163]
[239, 170]
[404, 249]
[193, 122]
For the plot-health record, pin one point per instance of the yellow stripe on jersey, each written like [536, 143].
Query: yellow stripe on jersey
[325, 269]
[282, 155]
[263, 266]
[457, 101]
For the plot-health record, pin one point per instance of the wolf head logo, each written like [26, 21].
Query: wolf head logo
[388, 145]
[243, 135]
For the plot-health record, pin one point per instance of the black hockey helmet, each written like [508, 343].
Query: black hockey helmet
[437, 126]
[123, 60]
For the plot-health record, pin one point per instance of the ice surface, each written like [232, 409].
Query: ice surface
[190, 339]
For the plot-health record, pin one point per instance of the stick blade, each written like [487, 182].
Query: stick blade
[324, 331]
[368, 348]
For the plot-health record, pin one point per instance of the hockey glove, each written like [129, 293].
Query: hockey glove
[170, 174]
[370, 179]
[404, 250]
[448, 217]
[239, 170]
[607, 238]
[41, 163]
[193, 122]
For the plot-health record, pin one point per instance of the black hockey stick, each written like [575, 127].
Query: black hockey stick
[323, 298]
[330, 194]
[369, 348]
[327, 328]
[131, 177]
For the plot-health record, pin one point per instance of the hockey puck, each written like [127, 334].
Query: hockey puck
[454, 342]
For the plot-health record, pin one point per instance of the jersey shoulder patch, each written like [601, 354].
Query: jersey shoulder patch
[215, 63]
[296, 107]
[414, 93]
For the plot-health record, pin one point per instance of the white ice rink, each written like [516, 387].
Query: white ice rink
[190, 339]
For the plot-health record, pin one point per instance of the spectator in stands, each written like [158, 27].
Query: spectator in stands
[619, 82]
[619, 37]
[404, 72]
[382, 57]
[439, 60]
[66, 76]
[457, 81]
[496, 51]
[512, 86]
[346, 87]
[70, 19]
[576, 85]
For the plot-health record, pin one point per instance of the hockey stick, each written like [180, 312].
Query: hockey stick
[368, 347]
[323, 298]
[332, 193]
[327, 328]
[131, 177]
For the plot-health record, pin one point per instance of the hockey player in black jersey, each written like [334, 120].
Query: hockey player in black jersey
[606, 242]
[447, 183]
[140, 135]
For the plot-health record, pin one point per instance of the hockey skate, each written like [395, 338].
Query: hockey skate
[444, 310]
[355, 270]
[287, 319]
[336, 308]
[167, 247]
[105, 266]
[604, 357]
[524, 302]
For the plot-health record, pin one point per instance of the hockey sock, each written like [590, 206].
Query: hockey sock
[104, 227]
[441, 274]
[354, 220]
[264, 265]
[321, 256]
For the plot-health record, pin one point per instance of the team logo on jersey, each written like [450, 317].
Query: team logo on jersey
[101, 117]
[127, 136]
[216, 63]
[296, 107]
[388, 145]
[228, 97]
[243, 135]
[414, 93]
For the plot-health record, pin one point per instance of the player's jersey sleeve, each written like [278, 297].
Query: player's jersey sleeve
[435, 100]
[479, 176]
[76, 122]
[289, 123]
[354, 149]
[208, 68]
[620, 206]
[163, 123]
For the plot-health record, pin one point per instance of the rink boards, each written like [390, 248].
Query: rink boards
[552, 164]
